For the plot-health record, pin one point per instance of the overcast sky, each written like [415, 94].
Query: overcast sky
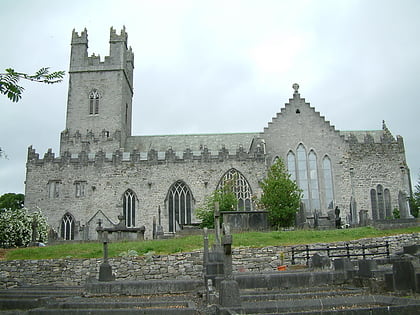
[219, 66]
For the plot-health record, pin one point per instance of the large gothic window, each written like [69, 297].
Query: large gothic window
[328, 183]
[302, 175]
[303, 168]
[241, 188]
[67, 227]
[94, 102]
[180, 203]
[129, 208]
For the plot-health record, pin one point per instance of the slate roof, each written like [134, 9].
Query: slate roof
[195, 142]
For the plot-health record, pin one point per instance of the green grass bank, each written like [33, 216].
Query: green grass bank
[191, 243]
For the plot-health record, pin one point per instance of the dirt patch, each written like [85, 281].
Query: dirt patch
[3, 253]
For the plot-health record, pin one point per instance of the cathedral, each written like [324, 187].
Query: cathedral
[105, 176]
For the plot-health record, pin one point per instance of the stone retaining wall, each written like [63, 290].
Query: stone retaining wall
[176, 266]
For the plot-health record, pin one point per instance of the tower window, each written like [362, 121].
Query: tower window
[80, 188]
[54, 189]
[94, 102]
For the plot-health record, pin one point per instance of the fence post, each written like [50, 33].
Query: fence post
[293, 255]
[348, 250]
[307, 255]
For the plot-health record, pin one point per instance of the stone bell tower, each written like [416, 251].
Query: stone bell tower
[99, 105]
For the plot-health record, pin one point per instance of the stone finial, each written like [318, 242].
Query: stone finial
[295, 87]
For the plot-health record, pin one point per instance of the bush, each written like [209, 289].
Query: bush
[281, 196]
[18, 227]
[227, 202]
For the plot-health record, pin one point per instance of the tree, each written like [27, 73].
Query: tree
[415, 200]
[19, 227]
[12, 201]
[281, 196]
[227, 202]
[9, 81]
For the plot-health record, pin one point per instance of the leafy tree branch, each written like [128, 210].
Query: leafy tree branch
[9, 81]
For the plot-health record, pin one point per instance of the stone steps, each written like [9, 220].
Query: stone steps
[73, 301]
[322, 300]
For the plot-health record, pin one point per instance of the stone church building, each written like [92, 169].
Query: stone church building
[104, 173]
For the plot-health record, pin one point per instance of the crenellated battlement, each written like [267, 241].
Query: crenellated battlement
[89, 141]
[371, 137]
[114, 37]
[151, 157]
[79, 39]
[120, 57]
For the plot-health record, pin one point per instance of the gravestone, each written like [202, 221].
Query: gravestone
[367, 267]
[229, 289]
[105, 269]
[321, 261]
[404, 275]
[343, 264]
[363, 218]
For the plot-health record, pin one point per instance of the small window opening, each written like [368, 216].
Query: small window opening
[297, 111]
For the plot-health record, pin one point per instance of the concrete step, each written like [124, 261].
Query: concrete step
[278, 296]
[349, 304]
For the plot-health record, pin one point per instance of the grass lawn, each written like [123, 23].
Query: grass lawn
[191, 243]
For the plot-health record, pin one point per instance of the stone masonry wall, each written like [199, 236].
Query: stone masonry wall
[106, 183]
[177, 266]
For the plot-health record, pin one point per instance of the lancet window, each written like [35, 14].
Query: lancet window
[380, 200]
[129, 208]
[179, 203]
[240, 187]
[94, 102]
[328, 183]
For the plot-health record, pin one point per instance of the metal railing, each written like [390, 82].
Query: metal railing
[343, 251]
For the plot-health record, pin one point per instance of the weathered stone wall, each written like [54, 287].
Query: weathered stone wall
[106, 183]
[177, 266]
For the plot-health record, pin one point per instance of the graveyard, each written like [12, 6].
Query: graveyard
[368, 276]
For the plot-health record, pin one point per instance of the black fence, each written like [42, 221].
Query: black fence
[343, 251]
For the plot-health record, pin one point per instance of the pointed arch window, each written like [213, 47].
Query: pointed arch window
[313, 181]
[381, 202]
[302, 174]
[67, 227]
[291, 165]
[241, 188]
[129, 208]
[180, 203]
[328, 183]
[374, 204]
[387, 199]
[94, 102]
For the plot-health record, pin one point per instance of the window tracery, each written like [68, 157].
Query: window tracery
[241, 188]
[94, 102]
[180, 203]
